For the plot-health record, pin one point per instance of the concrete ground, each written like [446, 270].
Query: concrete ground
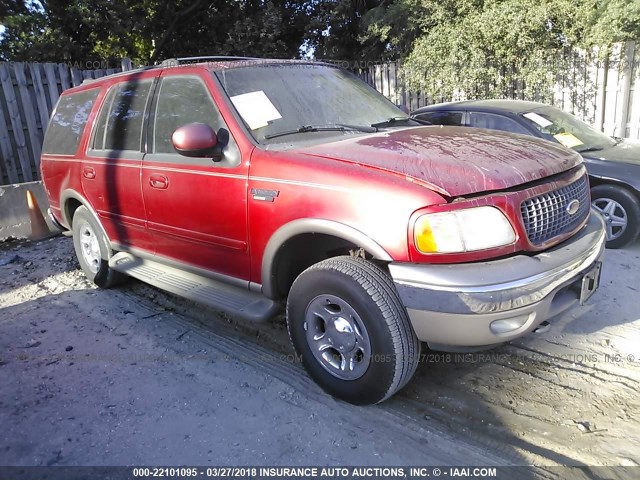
[135, 376]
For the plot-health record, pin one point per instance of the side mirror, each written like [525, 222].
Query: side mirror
[196, 140]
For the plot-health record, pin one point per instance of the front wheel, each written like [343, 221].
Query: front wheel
[620, 210]
[346, 321]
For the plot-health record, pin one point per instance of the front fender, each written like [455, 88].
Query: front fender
[313, 225]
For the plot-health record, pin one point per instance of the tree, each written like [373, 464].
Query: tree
[615, 21]
[397, 24]
[150, 30]
[59, 30]
[448, 45]
[273, 28]
[336, 31]
[488, 42]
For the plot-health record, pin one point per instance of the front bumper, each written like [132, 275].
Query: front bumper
[452, 307]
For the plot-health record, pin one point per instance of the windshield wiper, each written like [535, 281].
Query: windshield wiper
[590, 149]
[421, 121]
[323, 128]
[391, 121]
[359, 128]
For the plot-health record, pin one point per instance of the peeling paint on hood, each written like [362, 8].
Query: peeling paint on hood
[456, 160]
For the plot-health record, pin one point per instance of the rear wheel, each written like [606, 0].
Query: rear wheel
[620, 210]
[92, 250]
[348, 324]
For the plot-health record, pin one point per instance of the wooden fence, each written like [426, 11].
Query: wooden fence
[28, 94]
[604, 93]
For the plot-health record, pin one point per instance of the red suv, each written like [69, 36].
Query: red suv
[252, 184]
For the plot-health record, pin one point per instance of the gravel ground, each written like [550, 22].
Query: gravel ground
[134, 376]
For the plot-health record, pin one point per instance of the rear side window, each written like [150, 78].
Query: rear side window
[495, 122]
[119, 125]
[68, 122]
[442, 118]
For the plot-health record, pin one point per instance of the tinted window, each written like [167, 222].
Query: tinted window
[181, 100]
[442, 118]
[119, 125]
[68, 122]
[495, 122]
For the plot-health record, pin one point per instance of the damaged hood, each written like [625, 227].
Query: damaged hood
[454, 161]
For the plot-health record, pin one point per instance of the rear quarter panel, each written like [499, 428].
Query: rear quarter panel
[62, 173]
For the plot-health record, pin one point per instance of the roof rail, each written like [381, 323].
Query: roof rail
[221, 58]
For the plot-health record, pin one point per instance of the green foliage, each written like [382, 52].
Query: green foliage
[444, 44]
[615, 21]
[399, 23]
[335, 31]
[59, 30]
[150, 30]
[482, 50]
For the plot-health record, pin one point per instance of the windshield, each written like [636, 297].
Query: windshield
[567, 130]
[289, 102]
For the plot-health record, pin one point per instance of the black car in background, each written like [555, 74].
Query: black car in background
[613, 163]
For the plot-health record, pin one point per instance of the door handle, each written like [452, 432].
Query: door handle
[88, 172]
[158, 181]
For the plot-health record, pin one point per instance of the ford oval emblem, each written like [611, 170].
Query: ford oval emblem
[573, 206]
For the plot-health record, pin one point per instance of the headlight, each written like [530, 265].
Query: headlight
[464, 230]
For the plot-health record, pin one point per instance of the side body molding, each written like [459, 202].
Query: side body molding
[313, 225]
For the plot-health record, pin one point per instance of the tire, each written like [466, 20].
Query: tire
[351, 303]
[92, 250]
[621, 212]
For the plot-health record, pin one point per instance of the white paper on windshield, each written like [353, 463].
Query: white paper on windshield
[256, 109]
[540, 120]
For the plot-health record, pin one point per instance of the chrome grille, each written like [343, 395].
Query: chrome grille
[546, 216]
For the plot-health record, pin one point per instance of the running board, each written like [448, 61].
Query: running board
[236, 301]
